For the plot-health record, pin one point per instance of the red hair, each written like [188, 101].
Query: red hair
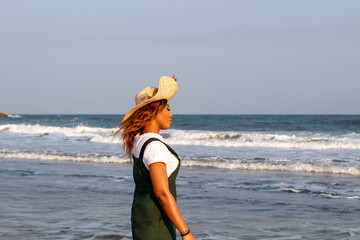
[134, 125]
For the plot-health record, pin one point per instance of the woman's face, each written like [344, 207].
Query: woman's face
[163, 118]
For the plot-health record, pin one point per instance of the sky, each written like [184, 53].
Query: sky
[230, 57]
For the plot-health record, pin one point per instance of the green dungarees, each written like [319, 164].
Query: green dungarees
[148, 219]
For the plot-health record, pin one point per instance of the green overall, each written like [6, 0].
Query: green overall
[148, 219]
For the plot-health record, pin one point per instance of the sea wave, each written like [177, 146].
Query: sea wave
[264, 140]
[14, 116]
[339, 196]
[298, 140]
[322, 193]
[288, 167]
[276, 165]
[67, 131]
[84, 157]
[94, 134]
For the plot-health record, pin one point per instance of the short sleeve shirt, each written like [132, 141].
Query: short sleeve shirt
[155, 152]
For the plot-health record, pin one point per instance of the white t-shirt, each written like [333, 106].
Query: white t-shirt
[155, 152]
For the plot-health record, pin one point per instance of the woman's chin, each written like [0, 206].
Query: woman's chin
[166, 127]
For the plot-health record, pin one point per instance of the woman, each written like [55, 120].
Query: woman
[154, 212]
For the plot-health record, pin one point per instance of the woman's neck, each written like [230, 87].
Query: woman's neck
[151, 127]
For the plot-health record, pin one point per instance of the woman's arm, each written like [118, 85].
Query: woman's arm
[161, 188]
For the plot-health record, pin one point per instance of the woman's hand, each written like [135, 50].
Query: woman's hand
[189, 237]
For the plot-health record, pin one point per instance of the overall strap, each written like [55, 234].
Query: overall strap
[155, 139]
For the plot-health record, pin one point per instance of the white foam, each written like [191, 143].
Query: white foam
[62, 157]
[262, 140]
[105, 135]
[292, 190]
[276, 165]
[290, 167]
[336, 196]
[14, 116]
[67, 131]
[303, 140]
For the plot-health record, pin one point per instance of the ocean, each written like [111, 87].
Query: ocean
[249, 177]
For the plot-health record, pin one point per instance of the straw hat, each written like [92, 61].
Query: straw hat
[167, 89]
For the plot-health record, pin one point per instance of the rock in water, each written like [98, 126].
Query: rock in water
[3, 115]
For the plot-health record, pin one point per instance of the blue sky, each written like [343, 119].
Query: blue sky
[231, 57]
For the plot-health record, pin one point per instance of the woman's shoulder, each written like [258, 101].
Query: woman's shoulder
[141, 139]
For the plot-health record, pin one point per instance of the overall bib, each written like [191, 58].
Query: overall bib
[148, 219]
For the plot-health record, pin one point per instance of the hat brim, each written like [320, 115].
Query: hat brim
[167, 89]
